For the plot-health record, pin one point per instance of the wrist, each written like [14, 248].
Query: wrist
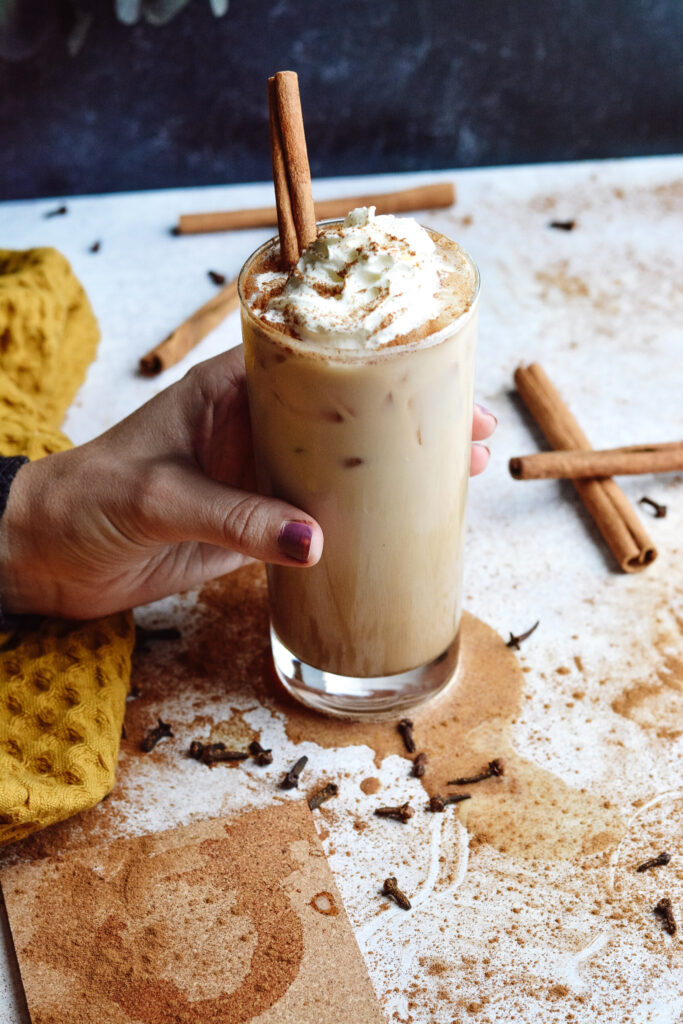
[20, 583]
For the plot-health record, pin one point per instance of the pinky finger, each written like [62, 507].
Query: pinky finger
[479, 459]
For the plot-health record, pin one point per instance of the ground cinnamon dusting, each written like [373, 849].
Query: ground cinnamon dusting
[529, 812]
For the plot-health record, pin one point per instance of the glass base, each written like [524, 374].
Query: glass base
[375, 697]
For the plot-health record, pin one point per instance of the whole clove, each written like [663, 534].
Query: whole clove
[655, 862]
[390, 888]
[659, 510]
[496, 767]
[438, 803]
[665, 911]
[326, 793]
[419, 766]
[214, 753]
[291, 779]
[158, 732]
[216, 277]
[515, 641]
[403, 813]
[562, 225]
[59, 211]
[405, 727]
[95, 247]
[260, 755]
[133, 693]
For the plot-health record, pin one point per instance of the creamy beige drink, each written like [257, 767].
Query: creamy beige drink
[359, 368]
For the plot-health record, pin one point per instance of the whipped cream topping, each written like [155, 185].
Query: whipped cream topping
[360, 284]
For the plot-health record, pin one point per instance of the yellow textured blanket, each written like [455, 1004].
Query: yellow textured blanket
[63, 684]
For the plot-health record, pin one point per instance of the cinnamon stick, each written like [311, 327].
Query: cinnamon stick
[613, 514]
[424, 197]
[191, 331]
[292, 137]
[289, 245]
[571, 465]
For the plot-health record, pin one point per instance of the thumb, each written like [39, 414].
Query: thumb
[185, 504]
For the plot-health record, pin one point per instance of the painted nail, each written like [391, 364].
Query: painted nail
[294, 540]
[487, 412]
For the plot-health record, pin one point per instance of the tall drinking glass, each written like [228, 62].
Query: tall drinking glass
[375, 445]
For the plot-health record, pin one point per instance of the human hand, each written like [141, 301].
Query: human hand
[158, 504]
[483, 425]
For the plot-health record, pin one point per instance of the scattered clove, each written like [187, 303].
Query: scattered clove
[403, 813]
[216, 277]
[439, 803]
[515, 641]
[562, 225]
[328, 791]
[665, 911]
[390, 888]
[59, 211]
[419, 766]
[655, 862]
[405, 727]
[291, 779]
[659, 510]
[158, 732]
[214, 753]
[95, 247]
[495, 767]
[260, 755]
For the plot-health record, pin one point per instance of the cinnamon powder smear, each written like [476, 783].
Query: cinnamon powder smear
[371, 785]
[218, 923]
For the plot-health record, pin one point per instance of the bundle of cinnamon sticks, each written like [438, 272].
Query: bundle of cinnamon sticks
[591, 471]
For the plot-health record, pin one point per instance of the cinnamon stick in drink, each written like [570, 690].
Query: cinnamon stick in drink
[608, 505]
[292, 138]
[289, 245]
[627, 461]
[191, 331]
[424, 197]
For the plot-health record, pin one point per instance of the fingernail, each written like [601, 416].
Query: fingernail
[294, 540]
[487, 412]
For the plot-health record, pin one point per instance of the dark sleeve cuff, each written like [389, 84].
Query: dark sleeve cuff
[9, 467]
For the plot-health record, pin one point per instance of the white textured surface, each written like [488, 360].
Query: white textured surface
[599, 308]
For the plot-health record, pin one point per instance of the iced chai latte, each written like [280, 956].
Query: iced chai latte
[359, 370]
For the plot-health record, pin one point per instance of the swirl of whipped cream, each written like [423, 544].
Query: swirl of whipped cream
[359, 285]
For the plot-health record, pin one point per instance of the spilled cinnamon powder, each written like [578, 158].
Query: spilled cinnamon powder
[529, 812]
[370, 785]
[656, 703]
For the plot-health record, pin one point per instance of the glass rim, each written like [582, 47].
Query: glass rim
[362, 355]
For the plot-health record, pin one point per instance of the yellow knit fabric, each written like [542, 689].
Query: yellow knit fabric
[63, 684]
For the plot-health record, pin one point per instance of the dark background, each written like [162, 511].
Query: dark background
[387, 85]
